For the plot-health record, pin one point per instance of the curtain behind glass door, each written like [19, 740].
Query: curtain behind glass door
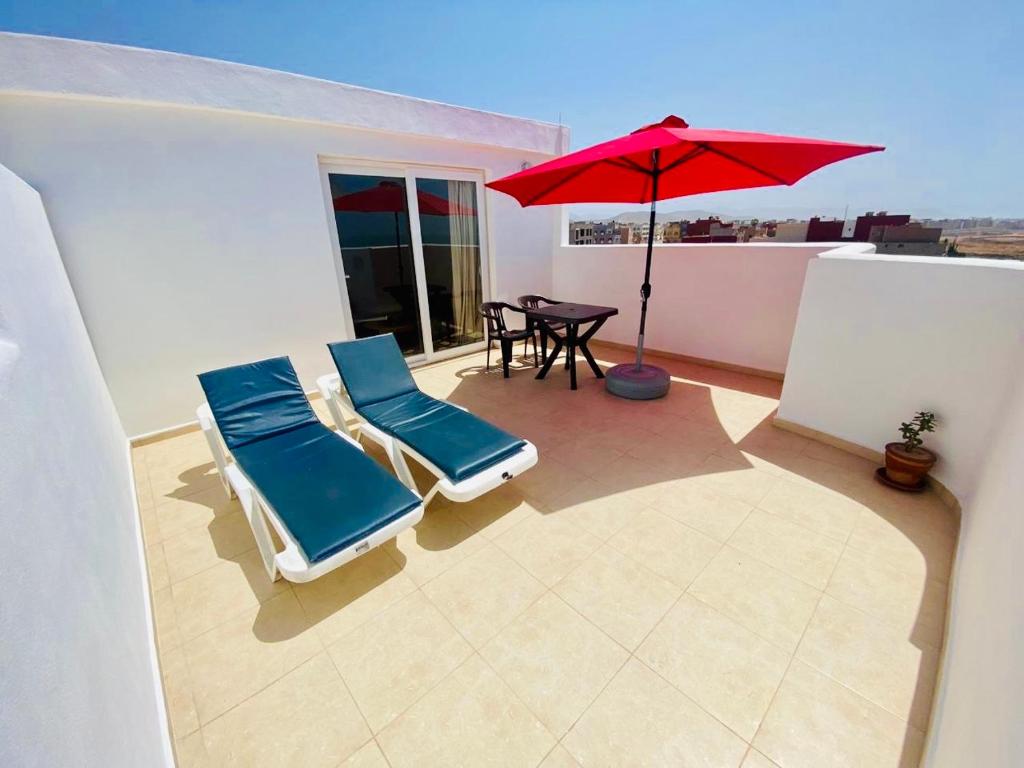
[451, 256]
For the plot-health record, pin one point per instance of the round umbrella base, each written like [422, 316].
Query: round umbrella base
[648, 383]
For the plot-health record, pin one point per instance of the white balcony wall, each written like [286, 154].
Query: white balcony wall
[186, 199]
[78, 685]
[881, 337]
[728, 303]
[977, 712]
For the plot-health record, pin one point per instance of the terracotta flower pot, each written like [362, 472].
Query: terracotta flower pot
[907, 468]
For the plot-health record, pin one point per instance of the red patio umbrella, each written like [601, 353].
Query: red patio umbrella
[665, 160]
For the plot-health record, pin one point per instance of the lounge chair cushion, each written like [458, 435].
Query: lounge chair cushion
[257, 400]
[373, 369]
[327, 492]
[456, 442]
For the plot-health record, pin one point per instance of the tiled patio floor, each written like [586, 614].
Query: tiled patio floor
[675, 583]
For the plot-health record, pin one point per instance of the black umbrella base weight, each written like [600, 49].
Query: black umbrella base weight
[648, 382]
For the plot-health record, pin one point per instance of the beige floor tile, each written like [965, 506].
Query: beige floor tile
[398, 656]
[196, 549]
[165, 621]
[439, 541]
[150, 524]
[559, 757]
[494, 513]
[793, 549]
[639, 719]
[694, 504]
[755, 759]
[548, 546]
[471, 719]
[815, 721]
[156, 564]
[919, 545]
[670, 549]
[196, 511]
[181, 708]
[871, 659]
[764, 600]
[178, 481]
[591, 457]
[483, 593]
[638, 478]
[618, 595]
[203, 601]
[597, 508]
[738, 480]
[190, 752]
[346, 598]
[816, 509]
[731, 672]
[369, 756]
[914, 605]
[547, 480]
[305, 719]
[243, 655]
[555, 660]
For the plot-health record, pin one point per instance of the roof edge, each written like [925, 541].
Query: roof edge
[63, 67]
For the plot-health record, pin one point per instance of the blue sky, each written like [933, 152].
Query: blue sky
[940, 84]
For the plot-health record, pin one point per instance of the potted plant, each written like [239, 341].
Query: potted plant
[908, 462]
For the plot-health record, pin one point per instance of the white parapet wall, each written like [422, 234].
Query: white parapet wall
[729, 303]
[881, 337]
[186, 197]
[78, 685]
[977, 717]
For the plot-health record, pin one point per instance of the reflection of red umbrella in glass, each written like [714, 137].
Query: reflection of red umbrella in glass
[664, 160]
[389, 197]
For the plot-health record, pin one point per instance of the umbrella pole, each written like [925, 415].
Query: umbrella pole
[645, 289]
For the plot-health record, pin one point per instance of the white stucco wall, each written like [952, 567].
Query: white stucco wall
[729, 303]
[978, 709]
[186, 199]
[880, 337]
[77, 685]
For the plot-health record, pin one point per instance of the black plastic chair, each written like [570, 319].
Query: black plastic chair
[536, 301]
[493, 314]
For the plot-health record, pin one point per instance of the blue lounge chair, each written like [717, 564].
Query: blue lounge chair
[328, 501]
[468, 455]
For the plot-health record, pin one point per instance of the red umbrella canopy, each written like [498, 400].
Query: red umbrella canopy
[389, 197]
[685, 160]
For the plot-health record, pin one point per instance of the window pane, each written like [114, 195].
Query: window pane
[451, 256]
[372, 216]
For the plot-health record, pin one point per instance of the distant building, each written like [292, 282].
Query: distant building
[606, 233]
[863, 225]
[581, 233]
[909, 238]
[824, 231]
[672, 231]
[791, 231]
[641, 232]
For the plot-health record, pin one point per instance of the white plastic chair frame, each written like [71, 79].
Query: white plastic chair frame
[290, 562]
[332, 389]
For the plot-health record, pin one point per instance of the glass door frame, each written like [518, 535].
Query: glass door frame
[410, 172]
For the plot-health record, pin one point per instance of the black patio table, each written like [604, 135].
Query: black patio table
[573, 315]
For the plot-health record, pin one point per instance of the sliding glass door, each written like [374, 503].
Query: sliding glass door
[451, 260]
[410, 249]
